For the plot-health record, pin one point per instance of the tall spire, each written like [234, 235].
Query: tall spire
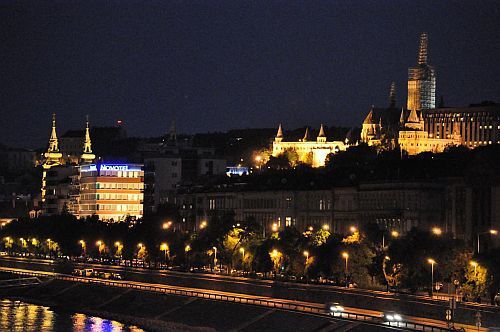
[87, 156]
[422, 53]
[53, 142]
[392, 95]
[87, 145]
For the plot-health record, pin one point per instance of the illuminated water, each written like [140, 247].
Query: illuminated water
[19, 316]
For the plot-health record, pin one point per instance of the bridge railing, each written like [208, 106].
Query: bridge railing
[232, 298]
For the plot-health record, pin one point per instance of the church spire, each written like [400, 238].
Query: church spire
[87, 156]
[87, 145]
[53, 142]
[422, 53]
[392, 95]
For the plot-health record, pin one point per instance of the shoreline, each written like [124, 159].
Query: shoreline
[146, 324]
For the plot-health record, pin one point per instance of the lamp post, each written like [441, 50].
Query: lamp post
[164, 247]
[491, 231]
[432, 262]
[345, 255]
[242, 250]
[84, 246]
[215, 256]
[306, 254]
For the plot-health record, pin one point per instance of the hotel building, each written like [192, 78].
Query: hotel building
[113, 192]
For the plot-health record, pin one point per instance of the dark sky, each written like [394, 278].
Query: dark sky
[217, 65]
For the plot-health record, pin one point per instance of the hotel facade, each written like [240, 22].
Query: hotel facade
[113, 192]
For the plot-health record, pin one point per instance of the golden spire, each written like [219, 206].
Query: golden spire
[87, 145]
[422, 53]
[53, 142]
[87, 155]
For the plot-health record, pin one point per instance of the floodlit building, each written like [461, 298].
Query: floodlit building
[421, 126]
[313, 152]
[113, 192]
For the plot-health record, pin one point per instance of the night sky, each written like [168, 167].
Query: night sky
[217, 65]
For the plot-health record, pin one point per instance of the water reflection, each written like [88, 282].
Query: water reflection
[19, 316]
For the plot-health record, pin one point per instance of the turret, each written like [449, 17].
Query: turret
[306, 137]
[321, 136]
[279, 134]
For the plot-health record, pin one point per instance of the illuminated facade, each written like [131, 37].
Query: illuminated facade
[313, 152]
[60, 174]
[110, 191]
[414, 139]
[422, 127]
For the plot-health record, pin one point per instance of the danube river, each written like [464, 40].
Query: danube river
[19, 316]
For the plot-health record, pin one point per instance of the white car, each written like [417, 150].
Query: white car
[333, 308]
[392, 316]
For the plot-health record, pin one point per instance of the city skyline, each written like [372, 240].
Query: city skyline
[229, 66]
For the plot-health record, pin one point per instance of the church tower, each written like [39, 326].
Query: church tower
[87, 156]
[51, 158]
[422, 81]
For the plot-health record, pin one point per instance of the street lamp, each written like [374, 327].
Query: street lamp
[84, 245]
[346, 256]
[166, 225]
[432, 262]
[326, 227]
[203, 224]
[306, 253]
[215, 256]
[274, 227]
[164, 247]
[353, 229]
[437, 231]
[491, 231]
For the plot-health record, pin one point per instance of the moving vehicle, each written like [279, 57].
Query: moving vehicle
[333, 308]
[392, 316]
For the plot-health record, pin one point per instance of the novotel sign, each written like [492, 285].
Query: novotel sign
[113, 168]
[107, 167]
